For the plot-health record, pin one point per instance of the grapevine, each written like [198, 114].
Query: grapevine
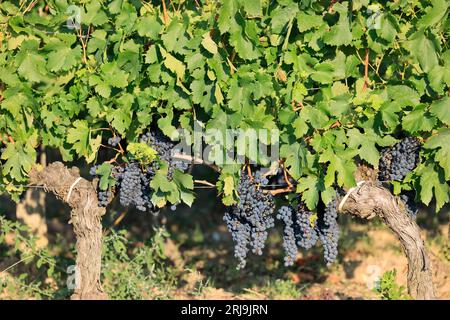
[335, 85]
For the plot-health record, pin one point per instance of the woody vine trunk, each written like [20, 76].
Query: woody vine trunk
[370, 199]
[80, 195]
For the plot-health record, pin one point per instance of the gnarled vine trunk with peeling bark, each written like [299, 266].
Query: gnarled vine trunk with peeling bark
[80, 194]
[370, 199]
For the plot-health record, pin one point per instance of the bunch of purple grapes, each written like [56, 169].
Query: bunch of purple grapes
[300, 230]
[397, 161]
[328, 231]
[250, 219]
[289, 235]
[133, 179]
[133, 186]
[305, 228]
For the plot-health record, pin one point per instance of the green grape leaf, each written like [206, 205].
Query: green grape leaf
[418, 120]
[441, 142]
[19, 160]
[307, 21]
[441, 109]
[424, 50]
[309, 187]
[295, 155]
[209, 43]
[430, 181]
[339, 166]
[33, 68]
[79, 136]
[185, 185]
[173, 64]
[340, 33]
[104, 171]
[253, 7]
[434, 14]
[149, 26]
[164, 190]
[228, 185]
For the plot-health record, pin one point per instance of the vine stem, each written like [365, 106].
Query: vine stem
[299, 106]
[366, 70]
[120, 218]
[204, 182]
[100, 129]
[279, 191]
[84, 45]
[249, 171]
[286, 178]
[195, 160]
[166, 15]
[10, 139]
[271, 172]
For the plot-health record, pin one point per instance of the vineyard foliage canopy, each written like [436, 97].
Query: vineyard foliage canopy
[339, 79]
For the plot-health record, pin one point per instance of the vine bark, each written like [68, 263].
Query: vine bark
[80, 194]
[370, 199]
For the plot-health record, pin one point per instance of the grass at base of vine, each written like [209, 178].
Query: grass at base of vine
[128, 271]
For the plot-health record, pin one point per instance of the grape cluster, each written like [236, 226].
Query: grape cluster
[114, 141]
[133, 186]
[134, 183]
[411, 208]
[301, 230]
[165, 149]
[306, 232]
[241, 234]
[397, 161]
[289, 244]
[250, 220]
[104, 197]
[328, 231]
